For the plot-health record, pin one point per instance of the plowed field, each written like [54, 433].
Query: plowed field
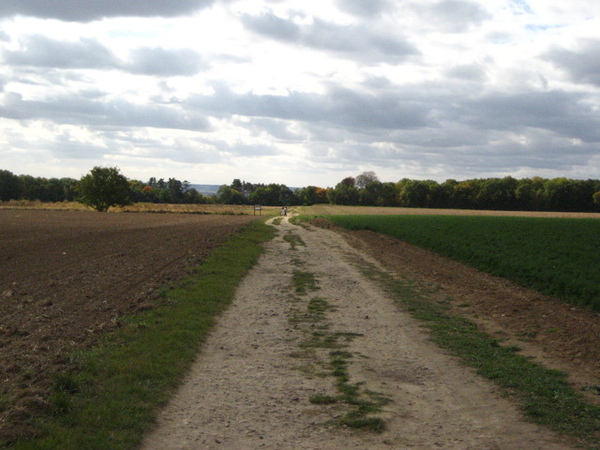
[67, 276]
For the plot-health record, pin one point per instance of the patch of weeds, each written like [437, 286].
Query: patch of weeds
[317, 307]
[359, 403]
[297, 262]
[374, 424]
[348, 336]
[277, 221]
[321, 339]
[307, 369]
[66, 382]
[294, 240]
[315, 314]
[321, 399]
[304, 282]
[341, 354]
[5, 402]
[363, 402]
[552, 330]
[60, 403]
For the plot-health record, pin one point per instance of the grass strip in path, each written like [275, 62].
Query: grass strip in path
[110, 397]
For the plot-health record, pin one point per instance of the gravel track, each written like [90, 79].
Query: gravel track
[253, 379]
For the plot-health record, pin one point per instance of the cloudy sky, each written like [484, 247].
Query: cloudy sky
[300, 92]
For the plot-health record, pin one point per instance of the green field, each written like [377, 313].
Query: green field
[559, 257]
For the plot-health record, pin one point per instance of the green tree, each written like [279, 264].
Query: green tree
[104, 187]
[413, 193]
[370, 193]
[229, 196]
[10, 186]
[192, 196]
[497, 193]
[596, 199]
[365, 178]
[176, 190]
[344, 193]
[273, 194]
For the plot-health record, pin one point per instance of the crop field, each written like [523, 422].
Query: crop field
[556, 256]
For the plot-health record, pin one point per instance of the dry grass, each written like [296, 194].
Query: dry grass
[147, 207]
[380, 210]
[36, 204]
[198, 209]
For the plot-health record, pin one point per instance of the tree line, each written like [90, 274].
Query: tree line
[508, 193]
[26, 187]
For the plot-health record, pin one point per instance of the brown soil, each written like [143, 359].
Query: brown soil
[67, 276]
[557, 334]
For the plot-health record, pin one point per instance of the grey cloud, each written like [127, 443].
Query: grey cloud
[357, 110]
[560, 112]
[108, 113]
[361, 8]
[453, 16]
[469, 72]
[163, 62]
[153, 149]
[65, 146]
[543, 151]
[41, 51]
[279, 129]
[339, 107]
[445, 135]
[351, 40]
[365, 153]
[582, 65]
[272, 26]
[247, 150]
[85, 11]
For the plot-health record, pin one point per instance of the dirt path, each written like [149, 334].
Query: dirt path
[252, 383]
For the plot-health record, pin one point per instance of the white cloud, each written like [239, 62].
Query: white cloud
[300, 92]
[88, 11]
[40, 51]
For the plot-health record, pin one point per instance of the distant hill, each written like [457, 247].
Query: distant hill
[206, 189]
[211, 189]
